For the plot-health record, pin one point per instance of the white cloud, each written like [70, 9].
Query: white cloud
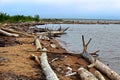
[78, 5]
[97, 5]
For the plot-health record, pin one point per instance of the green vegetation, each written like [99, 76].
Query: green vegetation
[17, 18]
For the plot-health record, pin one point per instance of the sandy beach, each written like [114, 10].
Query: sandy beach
[15, 61]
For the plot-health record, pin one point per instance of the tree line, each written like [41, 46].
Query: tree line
[4, 17]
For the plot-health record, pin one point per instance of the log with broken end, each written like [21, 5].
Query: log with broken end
[99, 65]
[35, 58]
[99, 75]
[38, 44]
[86, 75]
[50, 74]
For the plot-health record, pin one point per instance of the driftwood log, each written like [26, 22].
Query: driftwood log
[8, 34]
[17, 32]
[86, 75]
[99, 65]
[50, 74]
[99, 75]
[38, 44]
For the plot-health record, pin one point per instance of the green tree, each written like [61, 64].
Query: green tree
[37, 18]
[17, 18]
[3, 17]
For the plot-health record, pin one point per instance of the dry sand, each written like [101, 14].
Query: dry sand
[15, 62]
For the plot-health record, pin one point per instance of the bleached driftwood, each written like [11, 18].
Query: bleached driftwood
[38, 44]
[53, 45]
[43, 37]
[50, 74]
[8, 34]
[70, 72]
[99, 65]
[99, 75]
[17, 32]
[86, 75]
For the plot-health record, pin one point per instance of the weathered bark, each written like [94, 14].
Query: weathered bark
[8, 34]
[38, 44]
[99, 65]
[86, 75]
[50, 74]
[17, 32]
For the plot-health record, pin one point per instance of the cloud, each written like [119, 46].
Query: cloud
[74, 3]
[63, 7]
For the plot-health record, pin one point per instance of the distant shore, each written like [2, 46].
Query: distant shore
[61, 21]
[79, 21]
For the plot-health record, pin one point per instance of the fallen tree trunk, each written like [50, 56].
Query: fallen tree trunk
[99, 65]
[50, 74]
[38, 45]
[86, 75]
[17, 32]
[8, 34]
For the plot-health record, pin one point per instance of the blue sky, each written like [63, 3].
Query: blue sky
[86, 9]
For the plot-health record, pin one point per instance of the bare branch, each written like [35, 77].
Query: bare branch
[88, 41]
[85, 45]
[95, 52]
[83, 41]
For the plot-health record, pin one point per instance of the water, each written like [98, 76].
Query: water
[105, 38]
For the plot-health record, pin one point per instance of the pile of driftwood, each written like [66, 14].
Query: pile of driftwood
[13, 32]
[98, 64]
[8, 36]
[42, 60]
[84, 73]
[49, 32]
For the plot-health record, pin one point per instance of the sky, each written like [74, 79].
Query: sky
[85, 9]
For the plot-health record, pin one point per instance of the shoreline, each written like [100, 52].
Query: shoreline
[18, 65]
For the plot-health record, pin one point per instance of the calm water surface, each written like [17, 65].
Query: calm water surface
[105, 38]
